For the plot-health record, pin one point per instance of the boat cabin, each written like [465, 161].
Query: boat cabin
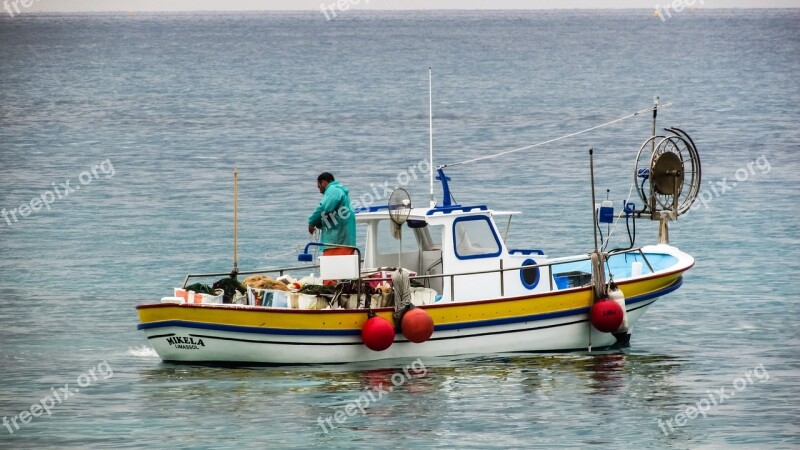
[463, 243]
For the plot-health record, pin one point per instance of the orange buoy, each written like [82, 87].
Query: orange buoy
[606, 315]
[377, 334]
[417, 325]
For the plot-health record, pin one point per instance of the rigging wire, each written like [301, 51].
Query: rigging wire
[539, 144]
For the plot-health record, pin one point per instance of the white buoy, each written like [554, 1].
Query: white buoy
[617, 296]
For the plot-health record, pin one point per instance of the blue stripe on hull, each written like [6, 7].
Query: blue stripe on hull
[444, 327]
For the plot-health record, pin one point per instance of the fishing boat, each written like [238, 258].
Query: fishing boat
[473, 294]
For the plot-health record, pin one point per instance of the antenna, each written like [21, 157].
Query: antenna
[594, 200]
[655, 113]
[430, 131]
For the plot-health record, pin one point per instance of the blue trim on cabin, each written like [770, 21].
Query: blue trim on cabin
[482, 255]
[454, 208]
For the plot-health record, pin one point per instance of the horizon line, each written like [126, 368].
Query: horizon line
[693, 9]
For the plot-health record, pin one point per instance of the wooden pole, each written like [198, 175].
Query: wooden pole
[235, 218]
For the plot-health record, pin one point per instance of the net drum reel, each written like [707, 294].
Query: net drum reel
[669, 169]
[399, 209]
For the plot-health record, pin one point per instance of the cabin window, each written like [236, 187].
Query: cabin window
[474, 237]
[434, 239]
[388, 245]
[361, 234]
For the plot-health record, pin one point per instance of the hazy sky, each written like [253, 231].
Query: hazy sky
[244, 5]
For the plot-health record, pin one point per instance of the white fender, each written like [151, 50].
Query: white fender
[617, 296]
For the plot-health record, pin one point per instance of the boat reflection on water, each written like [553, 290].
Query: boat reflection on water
[392, 393]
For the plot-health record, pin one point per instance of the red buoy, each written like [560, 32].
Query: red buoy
[417, 325]
[606, 315]
[377, 334]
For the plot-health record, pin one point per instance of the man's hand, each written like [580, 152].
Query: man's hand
[311, 229]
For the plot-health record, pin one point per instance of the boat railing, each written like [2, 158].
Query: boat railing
[280, 271]
[501, 270]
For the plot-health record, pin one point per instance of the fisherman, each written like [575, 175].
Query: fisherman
[334, 216]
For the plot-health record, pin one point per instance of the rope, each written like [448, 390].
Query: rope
[667, 105]
[599, 275]
[293, 250]
[402, 289]
[402, 296]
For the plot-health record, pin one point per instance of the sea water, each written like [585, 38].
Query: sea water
[118, 138]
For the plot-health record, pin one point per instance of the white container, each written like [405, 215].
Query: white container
[239, 298]
[352, 301]
[307, 301]
[210, 298]
[343, 267]
[422, 296]
[294, 300]
[636, 269]
[175, 300]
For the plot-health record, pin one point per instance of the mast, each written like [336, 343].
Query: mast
[430, 132]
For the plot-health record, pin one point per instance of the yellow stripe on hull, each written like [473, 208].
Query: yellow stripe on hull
[442, 313]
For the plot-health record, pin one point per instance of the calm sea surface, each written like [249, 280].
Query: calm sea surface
[164, 106]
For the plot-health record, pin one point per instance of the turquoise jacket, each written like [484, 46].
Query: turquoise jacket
[335, 216]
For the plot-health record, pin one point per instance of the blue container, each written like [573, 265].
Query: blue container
[606, 214]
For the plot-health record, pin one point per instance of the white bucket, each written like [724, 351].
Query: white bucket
[349, 301]
[294, 300]
[308, 301]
